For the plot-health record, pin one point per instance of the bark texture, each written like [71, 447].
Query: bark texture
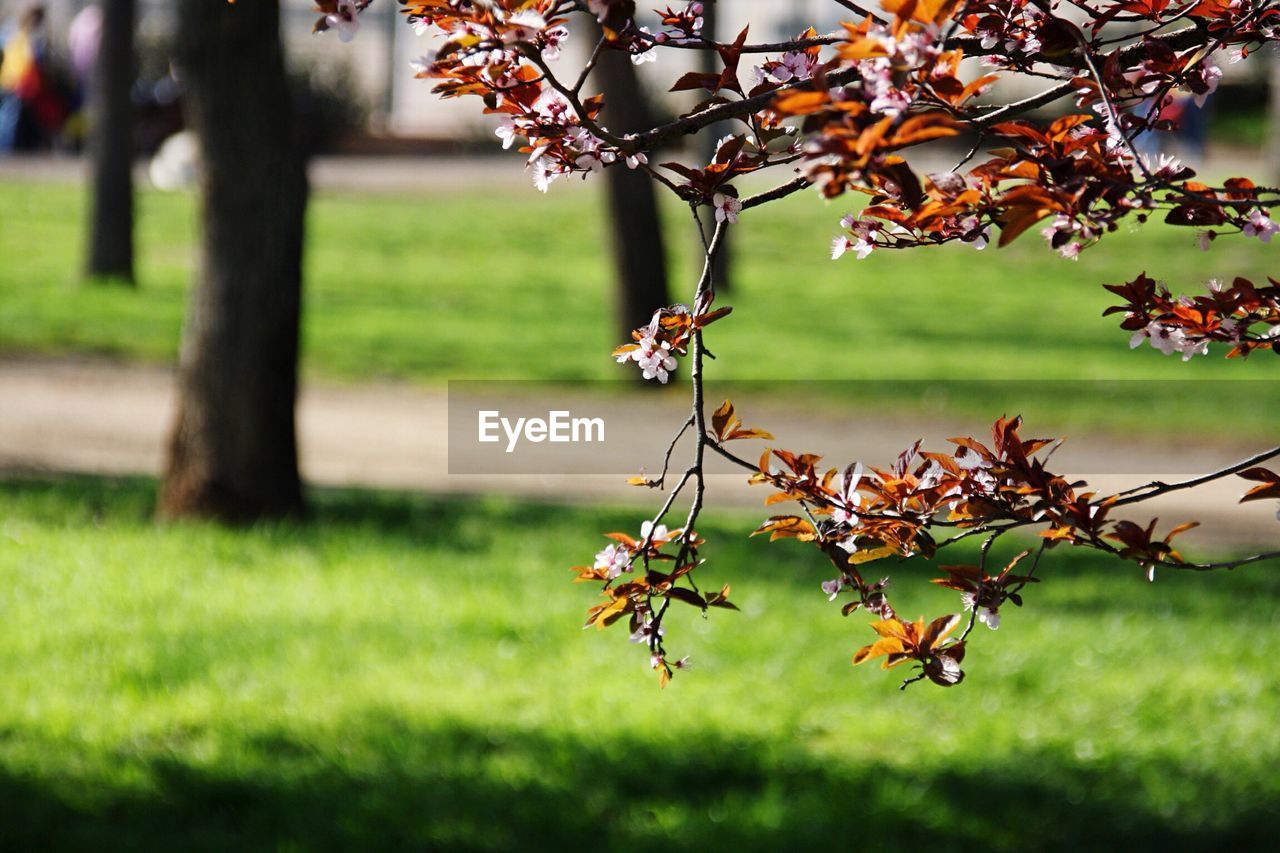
[233, 451]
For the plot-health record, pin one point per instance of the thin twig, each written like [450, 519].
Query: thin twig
[794, 185]
[1155, 489]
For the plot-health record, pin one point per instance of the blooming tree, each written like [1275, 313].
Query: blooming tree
[840, 113]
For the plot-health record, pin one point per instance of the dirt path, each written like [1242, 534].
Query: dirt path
[96, 417]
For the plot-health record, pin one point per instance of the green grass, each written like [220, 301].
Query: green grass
[512, 285]
[404, 671]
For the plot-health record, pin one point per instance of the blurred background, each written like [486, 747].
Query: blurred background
[249, 599]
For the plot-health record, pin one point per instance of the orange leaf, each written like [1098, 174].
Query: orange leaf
[882, 646]
[749, 432]
[722, 418]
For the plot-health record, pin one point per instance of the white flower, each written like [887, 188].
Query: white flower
[589, 162]
[1167, 339]
[1165, 165]
[863, 247]
[1211, 74]
[615, 560]
[507, 132]
[890, 103]
[422, 64]
[655, 359]
[840, 245]
[660, 535]
[650, 55]
[727, 207]
[1260, 226]
[635, 161]
[553, 39]
[545, 173]
[989, 617]
[344, 19]
[525, 26]
[645, 632]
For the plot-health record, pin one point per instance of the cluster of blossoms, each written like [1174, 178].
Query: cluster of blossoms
[645, 594]
[791, 67]
[840, 111]
[683, 24]
[1243, 315]
[1009, 31]
[666, 336]
[502, 52]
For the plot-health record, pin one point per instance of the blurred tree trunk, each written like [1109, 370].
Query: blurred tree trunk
[233, 450]
[111, 147]
[713, 65]
[639, 253]
[1272, 152]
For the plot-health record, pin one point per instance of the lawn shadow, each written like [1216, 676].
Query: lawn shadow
[396, 785]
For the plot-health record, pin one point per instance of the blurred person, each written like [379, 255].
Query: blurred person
[1189, 134]
[30, 104]
[84, 36]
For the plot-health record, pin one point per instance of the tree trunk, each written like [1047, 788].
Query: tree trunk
[639, 254]
[111, 147]
[233, 450]
[713, 65]
[1272, 148]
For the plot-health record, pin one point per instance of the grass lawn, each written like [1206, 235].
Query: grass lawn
[514, 286]
[404, 671]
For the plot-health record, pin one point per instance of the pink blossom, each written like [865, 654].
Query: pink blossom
[654, 357]
[1260, 226]
[1210, 76]
[727, 208]
[645, 632]
[655, 536]
[344, 19]
[553, 40]
[614, 559]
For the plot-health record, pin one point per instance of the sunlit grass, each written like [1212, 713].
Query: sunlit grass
[513, 285]
[405, 671]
